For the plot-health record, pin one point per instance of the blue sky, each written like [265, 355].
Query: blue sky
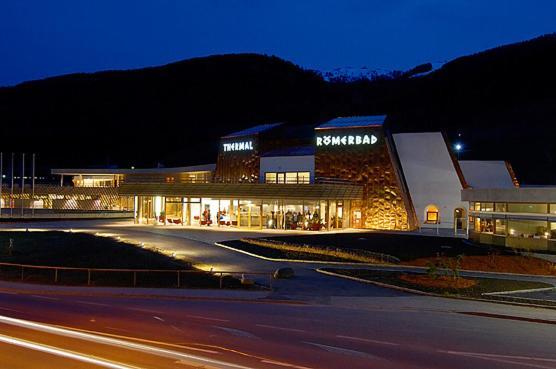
[41, 38]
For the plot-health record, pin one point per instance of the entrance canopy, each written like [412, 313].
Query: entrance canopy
[245, 190]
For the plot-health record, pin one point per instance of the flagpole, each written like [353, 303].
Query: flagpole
[12, 189]
[33, 189]
[1, 180]
[22, 181]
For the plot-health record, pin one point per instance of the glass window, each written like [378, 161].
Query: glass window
[280, 177]
[305, 177]
[500, 207]
[477, 206]
[552, 209]
[291, 177]
[527, 208]
[486, 225]
[270, 178]
[528, 228]
[553, 230]
[487, 206]
[500, 227]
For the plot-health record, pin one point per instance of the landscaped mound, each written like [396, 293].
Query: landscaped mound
[494, 263]
[439, 282]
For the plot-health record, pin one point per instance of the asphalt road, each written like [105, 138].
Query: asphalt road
[262, 335]
[329, 323]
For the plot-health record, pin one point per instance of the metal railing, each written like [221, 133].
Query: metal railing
[111, 277]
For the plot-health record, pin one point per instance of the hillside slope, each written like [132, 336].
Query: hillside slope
[501, 103]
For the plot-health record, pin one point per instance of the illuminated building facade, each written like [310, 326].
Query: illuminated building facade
[344, 173]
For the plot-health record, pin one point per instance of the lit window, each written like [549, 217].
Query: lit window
[432, 215]
[291, 177]
[303, 177]
[270, 177]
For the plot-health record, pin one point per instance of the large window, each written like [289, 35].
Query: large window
[287, 177]
[527, 208]
[500, 207]
[528, 228]
[500, 227]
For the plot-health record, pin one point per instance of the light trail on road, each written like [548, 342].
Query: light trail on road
[106, 341]
[65, 353]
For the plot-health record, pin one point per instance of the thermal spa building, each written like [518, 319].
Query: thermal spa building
[344, 173]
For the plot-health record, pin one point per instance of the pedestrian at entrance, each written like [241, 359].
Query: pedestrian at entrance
[208, 218]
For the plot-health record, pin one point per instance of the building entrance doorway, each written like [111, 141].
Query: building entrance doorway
[460, 219]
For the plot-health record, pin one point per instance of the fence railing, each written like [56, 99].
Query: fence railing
[115, 277]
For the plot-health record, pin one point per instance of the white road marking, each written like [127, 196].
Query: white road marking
[91, 303]
[117, 329]
[12, 310]
[368, 340]
[158, 318]
[154, 350]
[280, 363]
[280, 328]
[339, 350]
[514, 357]
[207, 318]
[236, 332]
[64, 353]
[45, 297]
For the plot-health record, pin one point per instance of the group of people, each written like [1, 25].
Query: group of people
[294, 220]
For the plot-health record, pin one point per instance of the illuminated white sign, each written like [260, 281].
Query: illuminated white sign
[238, 146]
[347, 140]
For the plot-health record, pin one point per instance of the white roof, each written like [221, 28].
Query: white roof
[486, 173]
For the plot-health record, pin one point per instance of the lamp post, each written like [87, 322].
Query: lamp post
[458, 147]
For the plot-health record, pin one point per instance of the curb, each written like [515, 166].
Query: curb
[379, 284]
[295, 260]
[519, 291]
[395, 267]
[89, 292]
[430, 294]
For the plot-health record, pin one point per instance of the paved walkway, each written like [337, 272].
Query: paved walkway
[197, 245]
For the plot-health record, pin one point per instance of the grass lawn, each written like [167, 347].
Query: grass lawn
[83, 250]
[483, 285]
[80, 250]
[281, 254]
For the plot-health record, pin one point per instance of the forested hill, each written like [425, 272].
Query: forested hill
[501, 103]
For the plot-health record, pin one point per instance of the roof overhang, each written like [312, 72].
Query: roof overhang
[246, 190]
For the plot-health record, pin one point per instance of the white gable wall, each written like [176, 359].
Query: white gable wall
[430, 175]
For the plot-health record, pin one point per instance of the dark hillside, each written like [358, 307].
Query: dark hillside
[501, 103]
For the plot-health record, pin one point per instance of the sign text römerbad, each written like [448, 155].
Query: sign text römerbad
[346, 140]
[237, 146]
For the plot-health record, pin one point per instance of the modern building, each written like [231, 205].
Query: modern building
[523, 218]
[348, 172]
[344, 173]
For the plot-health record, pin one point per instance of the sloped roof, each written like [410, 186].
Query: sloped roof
[108, 171]
[253, 130]
[357, 121]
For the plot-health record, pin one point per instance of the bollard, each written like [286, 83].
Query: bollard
[22, 272]
[134, 279]
[220, 279]
[88, 277]
[56, 275]
[179, 281]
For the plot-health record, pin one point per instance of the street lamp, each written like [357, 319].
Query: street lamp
[458, 147]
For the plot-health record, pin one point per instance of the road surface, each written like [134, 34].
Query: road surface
[327, 323]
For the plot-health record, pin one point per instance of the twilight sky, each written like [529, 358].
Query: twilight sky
[41, 38]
